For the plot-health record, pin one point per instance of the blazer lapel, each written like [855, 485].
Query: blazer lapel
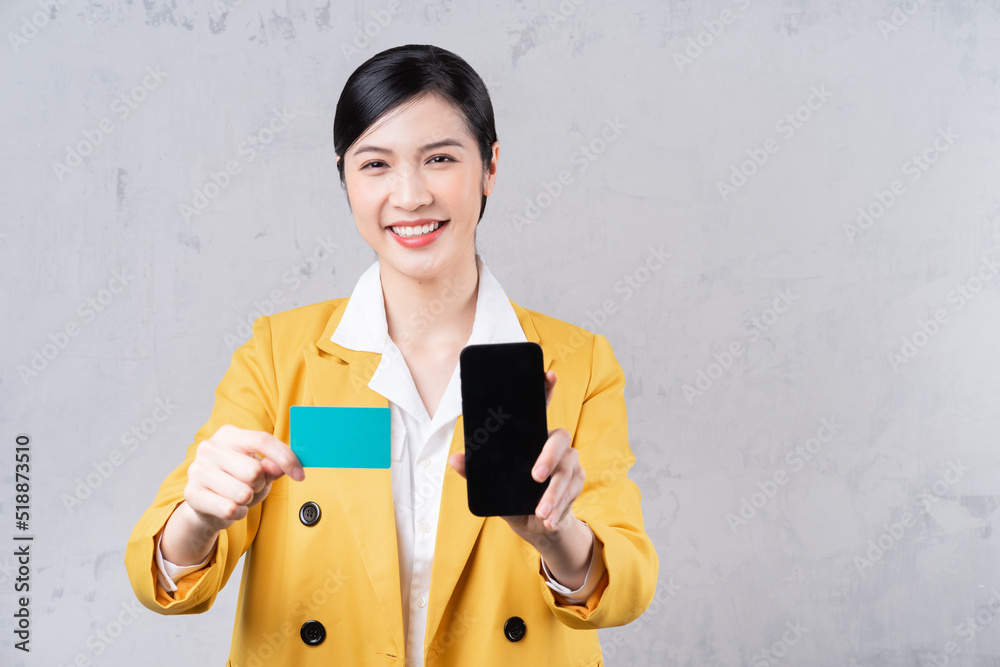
[338, 376]
[458, 528]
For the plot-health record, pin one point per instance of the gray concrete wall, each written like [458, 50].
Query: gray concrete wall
[812, 372]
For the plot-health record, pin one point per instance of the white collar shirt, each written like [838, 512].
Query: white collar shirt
[420, 444]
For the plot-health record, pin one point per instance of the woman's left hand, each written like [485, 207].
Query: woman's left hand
[558, 462]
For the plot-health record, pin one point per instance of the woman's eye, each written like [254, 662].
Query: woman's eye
[374, 163]
[443, 158]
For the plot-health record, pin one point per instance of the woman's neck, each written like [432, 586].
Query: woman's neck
[439, 311]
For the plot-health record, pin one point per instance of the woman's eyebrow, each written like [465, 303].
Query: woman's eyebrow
[368, 148]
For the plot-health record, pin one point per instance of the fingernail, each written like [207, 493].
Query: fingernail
[544, 509]
[300, 474]
[540, 473]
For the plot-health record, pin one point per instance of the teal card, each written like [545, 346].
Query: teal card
[344, 437]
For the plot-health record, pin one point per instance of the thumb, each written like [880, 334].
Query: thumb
[457, 461]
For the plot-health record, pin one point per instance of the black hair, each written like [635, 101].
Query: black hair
[404, 73]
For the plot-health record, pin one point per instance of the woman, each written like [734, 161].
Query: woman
[368, 566]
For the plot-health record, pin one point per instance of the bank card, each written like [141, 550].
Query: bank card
[340, 437]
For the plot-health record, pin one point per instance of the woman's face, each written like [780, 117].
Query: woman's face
[416, 169]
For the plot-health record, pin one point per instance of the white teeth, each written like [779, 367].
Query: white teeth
[416, 231]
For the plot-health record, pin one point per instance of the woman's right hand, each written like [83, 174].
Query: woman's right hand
[227, 477]
[232, 471]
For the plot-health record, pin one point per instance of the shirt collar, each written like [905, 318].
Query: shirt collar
[363, 326]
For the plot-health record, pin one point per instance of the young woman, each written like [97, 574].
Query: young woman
[370, 566]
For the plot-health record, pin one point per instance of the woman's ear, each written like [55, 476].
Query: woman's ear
[490, 174]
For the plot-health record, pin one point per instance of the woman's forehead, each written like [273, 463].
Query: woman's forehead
[417, 124]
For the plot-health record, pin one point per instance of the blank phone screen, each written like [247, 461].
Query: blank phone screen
[503, 413]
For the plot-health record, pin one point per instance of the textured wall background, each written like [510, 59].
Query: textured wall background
[812, 371]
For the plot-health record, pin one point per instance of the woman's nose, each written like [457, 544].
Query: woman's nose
[407, 189]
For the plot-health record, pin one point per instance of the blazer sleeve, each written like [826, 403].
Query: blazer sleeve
[610, 504]
[247, 398]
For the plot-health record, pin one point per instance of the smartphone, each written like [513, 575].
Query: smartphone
[503, 415]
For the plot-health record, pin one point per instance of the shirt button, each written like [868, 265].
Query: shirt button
[424, 461]
[422, 602]
[424, 526]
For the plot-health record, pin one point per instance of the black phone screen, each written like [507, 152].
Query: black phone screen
[503, 414]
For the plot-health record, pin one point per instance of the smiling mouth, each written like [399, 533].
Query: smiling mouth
[417, 231]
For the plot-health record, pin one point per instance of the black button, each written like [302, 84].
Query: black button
[309, 515]
[313, 633]
[514, 629]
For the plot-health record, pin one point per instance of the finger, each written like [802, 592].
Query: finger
[457, 461]
[552, 498]
[255, 471]
[554, 448]
[550, 382]
[209, 503]
[265, 444]
[221, 483]
[564, 501]
[272, 470]
[565, 484]
[261, 494]
[247, 469]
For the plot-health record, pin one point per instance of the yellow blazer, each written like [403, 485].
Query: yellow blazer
[340, 576]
